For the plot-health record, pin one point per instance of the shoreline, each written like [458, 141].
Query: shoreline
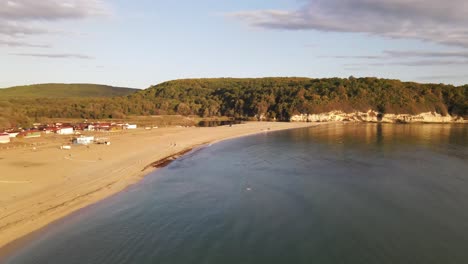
[19, 226]
[10, 247]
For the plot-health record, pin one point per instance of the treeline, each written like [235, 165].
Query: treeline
[272, 98]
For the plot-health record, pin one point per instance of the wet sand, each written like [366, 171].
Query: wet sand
[41, 185]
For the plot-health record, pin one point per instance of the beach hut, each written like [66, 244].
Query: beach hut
[49, 130]
[80, 126]
[83, 140]
[4, 138]
[65, 131]
[13, 134]
[90, 127]
[102, 126]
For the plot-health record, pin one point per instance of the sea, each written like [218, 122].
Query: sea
[335, 193]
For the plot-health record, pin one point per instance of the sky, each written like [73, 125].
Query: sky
[145, 42]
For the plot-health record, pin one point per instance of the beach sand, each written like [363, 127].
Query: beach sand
[41, 185]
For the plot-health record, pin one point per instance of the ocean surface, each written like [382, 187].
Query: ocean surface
[354, 193]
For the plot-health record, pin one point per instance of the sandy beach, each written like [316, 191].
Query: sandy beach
[41, 185]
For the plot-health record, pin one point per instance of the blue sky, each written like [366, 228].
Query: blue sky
[141, 43]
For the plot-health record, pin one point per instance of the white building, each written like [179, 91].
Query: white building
[13, 134]
[65, 131]
[83, 140]
[4, 138]
[130, 126]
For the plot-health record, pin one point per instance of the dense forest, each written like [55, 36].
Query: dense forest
[274, 98]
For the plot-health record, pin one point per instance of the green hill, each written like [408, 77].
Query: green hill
[56, 90]
[272, 98]
[283, 97]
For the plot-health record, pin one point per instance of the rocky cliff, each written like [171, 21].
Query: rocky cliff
[373, 116]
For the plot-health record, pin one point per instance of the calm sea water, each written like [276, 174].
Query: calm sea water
[363, 193]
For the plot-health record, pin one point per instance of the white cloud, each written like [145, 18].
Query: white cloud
[426, 54]
[411, 63]
[14, 43]
[30, 17]
[26, 10]
[441, 77]
[443, 22]
[409, 58]
[405, 54]
[20, 19]
[14, 29]
[54, 55]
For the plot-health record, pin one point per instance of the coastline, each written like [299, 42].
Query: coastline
[86, 176]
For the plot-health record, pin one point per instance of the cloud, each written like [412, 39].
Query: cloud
[443, 22]
[412, 63]
[368, 57]
[426, 63]
[20, 19]
[25, 10]
[439, 77]
[402, 58]
[14, 29]
[54, 55]
[27, 17]
[426, 54]
[11, 43]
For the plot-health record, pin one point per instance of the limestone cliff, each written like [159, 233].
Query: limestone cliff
[374, 116]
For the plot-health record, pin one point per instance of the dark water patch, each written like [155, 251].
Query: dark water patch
[218, 123]
[167, 160]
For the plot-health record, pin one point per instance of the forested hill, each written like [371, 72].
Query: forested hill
[278, 98]
[284, 97]
[59, 90]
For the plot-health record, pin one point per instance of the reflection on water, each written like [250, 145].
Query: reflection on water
[354, 193]
[388, 137]
[401, 134]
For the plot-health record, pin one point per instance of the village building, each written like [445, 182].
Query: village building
[83, 140]
[65, 131]
[130, 126]
[4, 138]
[89, 127]
[49, 130]
[102, 126]
[13, 134]
[80, 126]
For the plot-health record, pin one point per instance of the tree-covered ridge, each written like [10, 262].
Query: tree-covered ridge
[60, 90]
[283, 97]
[278, 98]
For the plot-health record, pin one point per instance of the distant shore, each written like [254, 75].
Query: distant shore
[41, 185]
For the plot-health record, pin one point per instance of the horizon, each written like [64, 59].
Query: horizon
[120, 43]
[201, 78]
